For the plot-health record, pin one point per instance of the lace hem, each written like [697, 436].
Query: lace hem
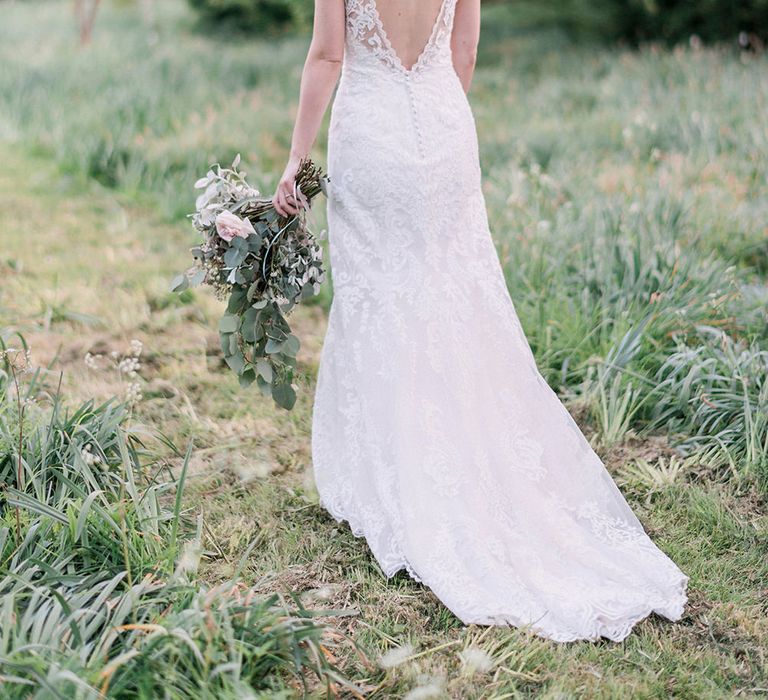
[616, 629]
[358, 530]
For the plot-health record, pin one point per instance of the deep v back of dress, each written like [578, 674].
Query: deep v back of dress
[434, 434]
[409, 26]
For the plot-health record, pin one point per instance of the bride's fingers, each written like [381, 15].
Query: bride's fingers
[287, 201]
[282, 208]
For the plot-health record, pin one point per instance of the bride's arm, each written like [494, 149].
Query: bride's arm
[321, 71]
[466, 37]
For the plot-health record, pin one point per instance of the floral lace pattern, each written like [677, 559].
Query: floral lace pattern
[434, 434]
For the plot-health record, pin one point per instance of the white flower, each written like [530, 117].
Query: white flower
[396, 656]
[189, 561]
[431, 689]
[476, 660]
[325, 593]
[129, 366]
[634, 208]
[88, 456]
[133, 393]
[91, 361]
[136, 347]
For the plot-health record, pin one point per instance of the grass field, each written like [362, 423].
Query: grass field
[627, 197]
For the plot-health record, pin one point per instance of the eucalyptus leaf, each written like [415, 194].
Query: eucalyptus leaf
[229, 323]
[255, 242]
[237, 301]
[284, 396]
[239, 243]
[236, 362]
[179, 283]
[234, 256]
[291, 346]
[264, 386]
[197, 278]
[248, 325]
[274, 346]
[265, 370]
[247, 378]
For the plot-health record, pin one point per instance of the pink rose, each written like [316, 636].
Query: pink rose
[228, 226]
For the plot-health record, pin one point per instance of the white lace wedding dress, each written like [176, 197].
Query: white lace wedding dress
[434, 435]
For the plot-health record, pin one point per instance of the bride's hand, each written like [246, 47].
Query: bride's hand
[286, 200]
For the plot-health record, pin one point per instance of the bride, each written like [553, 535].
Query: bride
[434, 435]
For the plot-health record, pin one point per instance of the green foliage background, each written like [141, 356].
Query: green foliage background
[629, 20]
[637, 21]
[255, 15]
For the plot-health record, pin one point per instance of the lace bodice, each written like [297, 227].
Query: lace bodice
[369, 48]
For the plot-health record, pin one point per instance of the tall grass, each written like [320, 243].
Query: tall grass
[98, 589]
[716, 395]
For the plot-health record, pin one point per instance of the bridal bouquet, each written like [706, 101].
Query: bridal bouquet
[264, 265]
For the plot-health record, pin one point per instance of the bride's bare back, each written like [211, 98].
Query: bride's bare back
[409, 25]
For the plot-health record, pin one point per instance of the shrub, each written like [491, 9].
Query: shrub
[638, 21]
[255, 15]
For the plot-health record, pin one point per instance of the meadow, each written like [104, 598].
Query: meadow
[627, 197]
